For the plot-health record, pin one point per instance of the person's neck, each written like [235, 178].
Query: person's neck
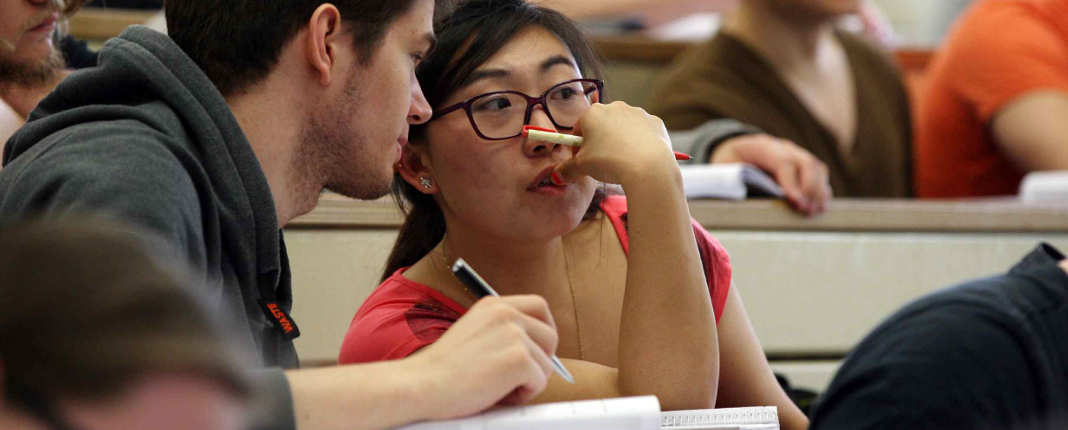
[271, 120]
[25, 98]
[788, 42]
[510, 267]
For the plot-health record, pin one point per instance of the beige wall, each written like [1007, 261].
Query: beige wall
[810, 295]
[921, 23]
[333, 272]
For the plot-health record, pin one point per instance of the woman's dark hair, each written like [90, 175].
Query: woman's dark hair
[478, 28]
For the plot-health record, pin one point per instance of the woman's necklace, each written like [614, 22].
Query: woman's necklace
[570, 287]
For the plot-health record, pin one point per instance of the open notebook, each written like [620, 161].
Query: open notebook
[628, 413]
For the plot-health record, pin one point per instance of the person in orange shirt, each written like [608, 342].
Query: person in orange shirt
[997, 101]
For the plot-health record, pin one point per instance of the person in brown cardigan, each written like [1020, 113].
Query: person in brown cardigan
[783, 67]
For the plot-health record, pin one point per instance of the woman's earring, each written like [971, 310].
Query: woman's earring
[426, 183]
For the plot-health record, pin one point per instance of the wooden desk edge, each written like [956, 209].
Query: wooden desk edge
[843, 215]
[100, 24]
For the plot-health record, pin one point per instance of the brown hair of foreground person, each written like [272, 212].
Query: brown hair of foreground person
[90, 311]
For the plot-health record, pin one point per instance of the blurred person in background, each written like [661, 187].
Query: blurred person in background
[873, 21]
[996, 101]
[832, 103]
[35, 55]
[804, 177]
[98, 333]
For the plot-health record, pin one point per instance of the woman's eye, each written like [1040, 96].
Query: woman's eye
[564, 93]
[494, 104]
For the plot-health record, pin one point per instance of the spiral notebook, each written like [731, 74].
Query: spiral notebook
[627, 413]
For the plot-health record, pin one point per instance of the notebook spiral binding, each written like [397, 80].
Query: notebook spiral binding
[731, 416]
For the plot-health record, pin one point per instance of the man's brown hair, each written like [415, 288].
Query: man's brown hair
[237, 42]
[89, 308]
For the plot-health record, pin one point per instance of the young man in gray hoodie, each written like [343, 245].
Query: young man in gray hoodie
[218, 135]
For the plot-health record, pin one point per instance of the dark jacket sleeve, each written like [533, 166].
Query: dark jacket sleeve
[273, 405]
[942, 363]
[702, 141]
[129, 173]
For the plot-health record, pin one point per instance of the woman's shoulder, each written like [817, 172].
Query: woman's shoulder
[397, 319]
[398, 291]
[614, 208]
[714, 258]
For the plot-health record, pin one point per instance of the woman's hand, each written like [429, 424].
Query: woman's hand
[621, 145]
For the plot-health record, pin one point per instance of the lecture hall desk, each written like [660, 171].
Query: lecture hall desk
[812, 286]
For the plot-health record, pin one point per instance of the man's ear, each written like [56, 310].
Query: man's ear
[324, 35]
[414, 171]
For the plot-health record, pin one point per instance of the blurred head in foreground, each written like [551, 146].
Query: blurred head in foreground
[98, 333]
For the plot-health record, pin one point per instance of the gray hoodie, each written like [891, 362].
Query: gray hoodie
[145, 137]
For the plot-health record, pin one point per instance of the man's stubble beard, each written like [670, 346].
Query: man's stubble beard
[30, 73]
[334, 154]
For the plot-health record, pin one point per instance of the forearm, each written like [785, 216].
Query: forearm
[668, 343]
[702, 142]
[747, 378]
[1031, 132]
[592, 381]
[366, 396]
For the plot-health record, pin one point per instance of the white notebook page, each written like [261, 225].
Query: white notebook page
[628, 413]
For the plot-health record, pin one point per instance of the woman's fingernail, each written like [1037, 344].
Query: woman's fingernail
[556, 178]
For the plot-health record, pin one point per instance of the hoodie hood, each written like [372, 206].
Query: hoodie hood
[147, 98]
[143, 75]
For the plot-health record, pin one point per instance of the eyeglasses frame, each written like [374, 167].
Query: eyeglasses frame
[531, 102]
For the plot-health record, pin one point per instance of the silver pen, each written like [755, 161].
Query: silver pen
[480, 288]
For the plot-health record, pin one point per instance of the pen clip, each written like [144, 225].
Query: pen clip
[470, 278]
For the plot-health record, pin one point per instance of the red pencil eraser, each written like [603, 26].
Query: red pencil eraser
[531, 127]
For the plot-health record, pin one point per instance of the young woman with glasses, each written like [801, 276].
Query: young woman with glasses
[640, 293]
